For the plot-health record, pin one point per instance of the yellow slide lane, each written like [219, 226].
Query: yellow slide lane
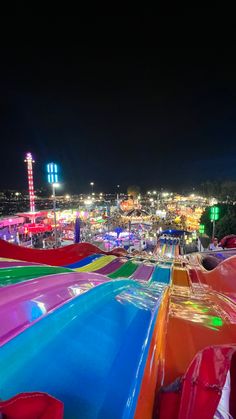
[97, 264]
[163, 249]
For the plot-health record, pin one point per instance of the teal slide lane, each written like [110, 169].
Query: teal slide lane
[90, 353]
[161, 274]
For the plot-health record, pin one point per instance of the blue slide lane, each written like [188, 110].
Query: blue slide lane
[90, 353]
[84, 261]
[161, 274]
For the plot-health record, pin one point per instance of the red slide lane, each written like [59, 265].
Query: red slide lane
[56, 257]
[220, 279]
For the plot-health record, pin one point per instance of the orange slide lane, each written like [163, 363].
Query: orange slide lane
[198, 319]
[187, 323]
[180, 276]
[155, 364]
[193, 324]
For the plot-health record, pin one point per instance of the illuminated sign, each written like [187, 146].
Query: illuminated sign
[214, 213]
[52, 170]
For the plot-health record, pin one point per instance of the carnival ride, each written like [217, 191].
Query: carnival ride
[115, 336]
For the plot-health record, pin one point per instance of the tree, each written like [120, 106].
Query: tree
[227, 224]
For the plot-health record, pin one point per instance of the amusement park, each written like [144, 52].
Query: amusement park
[146, 259]
[118, 218]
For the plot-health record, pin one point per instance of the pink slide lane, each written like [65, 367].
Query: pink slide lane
[13, 263]
[24, 303]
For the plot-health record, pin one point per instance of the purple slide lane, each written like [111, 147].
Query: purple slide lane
[24, 303]
[11, 264]
[143, 272]
[111, 267]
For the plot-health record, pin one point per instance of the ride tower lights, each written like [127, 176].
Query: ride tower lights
[29, 160]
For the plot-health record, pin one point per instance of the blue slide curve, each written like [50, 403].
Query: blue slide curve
[90, 353]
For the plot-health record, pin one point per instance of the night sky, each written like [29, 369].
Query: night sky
[142, 108]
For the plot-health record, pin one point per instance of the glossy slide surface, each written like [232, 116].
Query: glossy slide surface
[143, 272]
[85, 261]
[16, 274]
[24, 303]
[221, 279]
[90, 353]
[62, 256]
[10, 264]
[125, 271]
[97, 264]
[112, 266]
[195, 321]
[161, 274]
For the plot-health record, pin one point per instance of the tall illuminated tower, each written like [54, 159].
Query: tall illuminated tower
[29, 160]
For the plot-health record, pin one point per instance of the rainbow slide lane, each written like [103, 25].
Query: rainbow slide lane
[85, 261]
[90, 352]
[125, 271]
[161, 273]
[17, 274]
[113, 266]
[163, 249]
[6, 263]
[143, 272]
[97, 264]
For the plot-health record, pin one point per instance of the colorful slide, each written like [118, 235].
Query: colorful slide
[16, 274]
[62, 256]
[32, 301]
[94, 350]
[130, 339]
[125, 271]
[143, 272]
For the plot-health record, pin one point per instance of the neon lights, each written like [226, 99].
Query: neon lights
[52, 170]
[29, 160]
[214, 213]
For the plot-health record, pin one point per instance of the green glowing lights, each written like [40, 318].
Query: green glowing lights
[214, 213]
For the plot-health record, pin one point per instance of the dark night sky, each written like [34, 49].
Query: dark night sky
[144, 108]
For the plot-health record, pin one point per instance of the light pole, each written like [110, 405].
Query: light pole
[117, 196]
[92, 185]
[54, 185]
[52, 170]
[214, 216]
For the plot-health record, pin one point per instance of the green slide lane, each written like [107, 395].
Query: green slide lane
[125, 271]
[10, 276]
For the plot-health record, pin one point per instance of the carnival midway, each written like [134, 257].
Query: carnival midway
[117, 305]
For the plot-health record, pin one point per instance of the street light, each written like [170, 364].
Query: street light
[54, 186]
[214, 216]
[52, 170]
[92, 185]
[117, 196]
